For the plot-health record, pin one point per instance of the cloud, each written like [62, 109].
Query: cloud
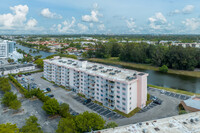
[131, 24]
[48, 14]
[65, 27]
[101, 27]
[158, 21]
[186, 10]
[192, 23]
[82, 27]
[31, 23]
[16, 19]
[91, 25]
[93, 17]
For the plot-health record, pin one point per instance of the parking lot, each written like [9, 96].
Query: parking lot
[171, 94]
[103, 111]
[28, 108]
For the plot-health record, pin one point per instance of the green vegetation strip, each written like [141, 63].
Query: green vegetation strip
[130, 114]
[174, 90]
[116, 61]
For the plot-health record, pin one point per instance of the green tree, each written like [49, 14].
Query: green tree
[64, 110]
[8, 98]
[111, 125]
[10, 60]
[8, 128]
[31, 126]
[4, 84]
[39, 63]
[163, 69]
[66, 125]
[51, 106]
[16, 104]
[89, 121]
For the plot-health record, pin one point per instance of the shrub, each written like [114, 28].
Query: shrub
[64, 110]
[163, 69]
[51, 106]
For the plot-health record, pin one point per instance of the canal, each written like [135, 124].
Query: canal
[186, 83]
[26, 49]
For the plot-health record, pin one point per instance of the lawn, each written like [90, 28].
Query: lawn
[130, 65]
[130, 114]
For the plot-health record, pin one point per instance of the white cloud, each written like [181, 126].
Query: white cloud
[131, 24]
[158, 21]
[17, 19]
[188, 9]
[93, 17]
[192, 24]
[65, 27]
[32, 23]
[101, 27]
[82, 27]
[48, 14]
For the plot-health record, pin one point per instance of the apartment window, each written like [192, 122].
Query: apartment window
[124, 94]
[118, 87]
[97, 76]
[97, 89]
[118, 96]
[97, 97]
[118, 92]
[97, 84]
[118, 83]
[124, 99]
[124, 89]
[130, 88]
[118, 101]
[101, 99]
[130, 108]
[101, 90]
[118, 106]
[130, 98]
[123, 103]
[130, 103]
[97, 93]
[124, 84]
[102, 95]
[123, 108]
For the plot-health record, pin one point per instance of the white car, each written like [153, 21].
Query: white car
[44, 90]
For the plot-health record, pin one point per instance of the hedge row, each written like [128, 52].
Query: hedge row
[20, 73]
[21, 88]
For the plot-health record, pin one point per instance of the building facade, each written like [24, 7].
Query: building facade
[6, 47]
[114, 87]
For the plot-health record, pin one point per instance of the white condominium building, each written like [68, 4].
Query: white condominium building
[6, 47]
[114, 87]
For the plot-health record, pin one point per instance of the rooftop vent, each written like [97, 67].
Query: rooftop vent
[94, 66]
[171, 125]
[69, 63]
[101, 67]
[88, 67]
[110, 69]
[184, 122]
[74, 64]
[112, 73]
[64, 61]
[191, 120]
[157, 129]
[117, 71]
[95, 69]
[60, 61]
[103, 71]
[130, 78]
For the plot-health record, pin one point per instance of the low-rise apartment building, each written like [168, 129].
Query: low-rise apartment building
[114, 87]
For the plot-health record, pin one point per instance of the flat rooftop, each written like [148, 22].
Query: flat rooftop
[187, 123]
[106, 71]
[11, 67]
[193, 102]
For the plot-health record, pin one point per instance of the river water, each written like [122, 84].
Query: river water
[186, 83]
[26, 49]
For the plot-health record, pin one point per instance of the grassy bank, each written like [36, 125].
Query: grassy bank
[174, 90]
[116, 61]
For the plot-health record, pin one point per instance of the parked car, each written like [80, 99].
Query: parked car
[157, 101]
[29, 73]
[87, 101]
[48, 89]
[162, 91]
[44, 90]
[50, 95]
[19, 75]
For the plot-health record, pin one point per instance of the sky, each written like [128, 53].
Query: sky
[100, 17]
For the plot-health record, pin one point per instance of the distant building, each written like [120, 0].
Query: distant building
[6, 47]
[114, 87]
[192, 104]
[194, 45]
[15, 56]
[13, 69]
